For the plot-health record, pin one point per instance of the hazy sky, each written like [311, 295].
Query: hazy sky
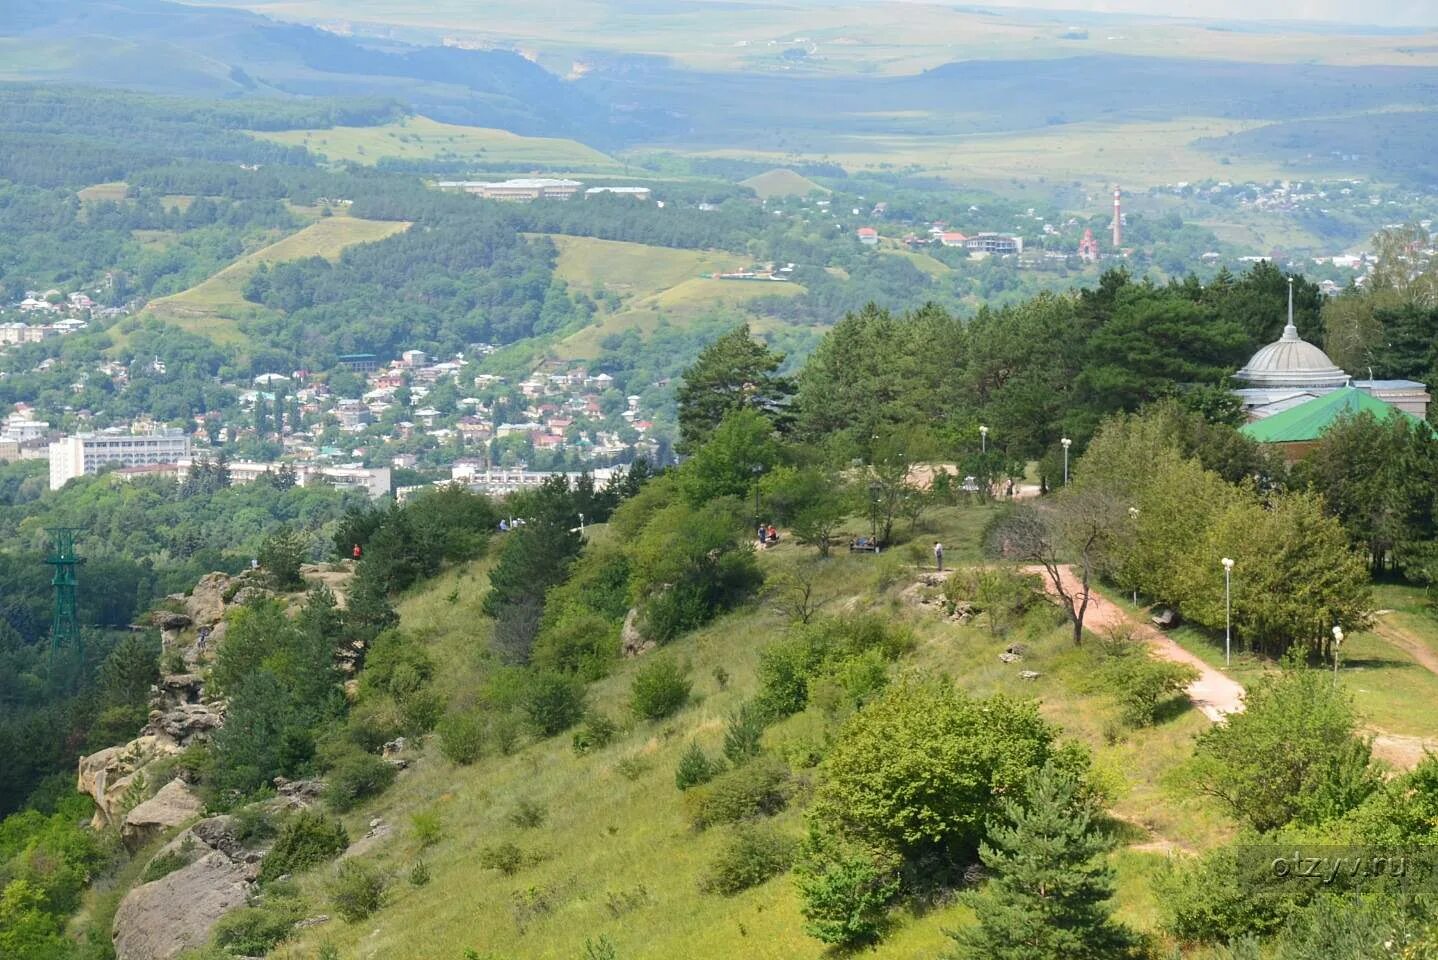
[1410, 13]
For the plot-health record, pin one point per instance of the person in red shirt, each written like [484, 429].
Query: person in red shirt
[358, 552]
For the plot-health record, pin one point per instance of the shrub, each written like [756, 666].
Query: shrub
[427, 827]
[751, 854]
[596, 733]
[753, 790]
[305, 839]
[632, 767]
[168, 861]
[419, 874]
[742, 733]
[554, 702]
[420, 711]
[251, 825]
[358, 890]
[505, 857]
[695, 768]
[1144, 683]
[848, 652]
[462, 736]
[660, 689]
[355, 778]
[846, 890]
[255, 931]
[528, 814]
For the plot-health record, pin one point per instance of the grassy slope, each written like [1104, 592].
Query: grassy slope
[420, 138]
[781, 183]
[609, 836]
[210, 308]
[652, 282]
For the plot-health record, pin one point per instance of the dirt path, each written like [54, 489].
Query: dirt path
[1214, 693]
[1421, 653]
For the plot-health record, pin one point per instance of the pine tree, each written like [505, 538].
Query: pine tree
[735, 372]
[1048, 896]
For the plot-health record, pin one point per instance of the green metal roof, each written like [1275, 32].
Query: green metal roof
[1308, 420]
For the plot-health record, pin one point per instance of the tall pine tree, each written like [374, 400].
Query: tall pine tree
[735, 372]
[1049, 891]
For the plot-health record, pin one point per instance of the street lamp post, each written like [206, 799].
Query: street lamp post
[1227, 611]
[1067, 443]
[756, 469]
[983, 439]
[1133, 515]
[1337, 642]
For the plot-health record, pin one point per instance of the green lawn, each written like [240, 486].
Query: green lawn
[420, 138]
[615, 856]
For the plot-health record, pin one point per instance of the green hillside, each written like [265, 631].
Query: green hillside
[420, 138]
[651, 283]
[615, 855]
[782, 183]
[211, 308]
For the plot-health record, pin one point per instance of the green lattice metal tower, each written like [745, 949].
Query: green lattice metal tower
[65, 623]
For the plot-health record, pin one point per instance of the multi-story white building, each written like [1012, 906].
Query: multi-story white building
[374, 481]
[85, 453]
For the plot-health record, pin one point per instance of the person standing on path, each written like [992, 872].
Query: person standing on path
[939, 555]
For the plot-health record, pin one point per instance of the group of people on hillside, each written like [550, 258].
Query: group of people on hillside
[766, 535]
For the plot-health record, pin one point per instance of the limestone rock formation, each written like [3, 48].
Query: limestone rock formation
[159, 920]
[106, 775]
[172, 806]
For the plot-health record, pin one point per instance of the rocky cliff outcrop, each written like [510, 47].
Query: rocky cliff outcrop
[180, 713]
[159, 920]
[172, 806]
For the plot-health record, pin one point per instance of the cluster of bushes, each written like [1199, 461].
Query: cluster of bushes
[1143, 684]
[838, 663]
[1000, 594]
[1295, 768]
[905, 796]
[46, 859]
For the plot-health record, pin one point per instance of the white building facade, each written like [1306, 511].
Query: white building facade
[85, 453]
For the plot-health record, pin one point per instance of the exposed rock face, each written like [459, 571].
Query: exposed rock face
[631, 639]
[172, 806]
[158, 920]
[106, 775]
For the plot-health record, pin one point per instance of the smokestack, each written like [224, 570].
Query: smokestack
[1117, 220]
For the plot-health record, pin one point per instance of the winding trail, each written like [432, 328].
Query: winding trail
[1217, 695]
[1214, 693]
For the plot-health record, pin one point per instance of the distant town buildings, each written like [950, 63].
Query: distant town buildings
[373, 481]
[83, 454]
[868, 236]
[516, 191]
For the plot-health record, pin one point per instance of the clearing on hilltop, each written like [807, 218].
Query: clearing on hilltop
[782, 183]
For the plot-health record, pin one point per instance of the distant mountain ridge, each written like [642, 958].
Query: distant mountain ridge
[162, 47]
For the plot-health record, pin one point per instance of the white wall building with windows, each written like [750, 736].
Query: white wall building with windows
[84, 454]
